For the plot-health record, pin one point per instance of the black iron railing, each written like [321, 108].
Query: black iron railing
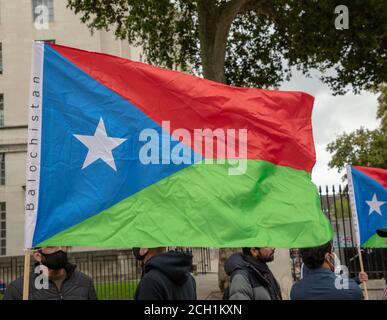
[336, 206]
[115, 273]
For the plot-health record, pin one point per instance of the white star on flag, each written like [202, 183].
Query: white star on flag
[100, 146]
[375, 205]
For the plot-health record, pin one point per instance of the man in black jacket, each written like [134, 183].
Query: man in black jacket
[166, 275]
[62, 283]
[251, 278]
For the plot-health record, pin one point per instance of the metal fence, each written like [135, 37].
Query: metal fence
[336, 206]
[115, 273]
[201, 259]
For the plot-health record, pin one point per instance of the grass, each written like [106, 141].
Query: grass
[123, 290]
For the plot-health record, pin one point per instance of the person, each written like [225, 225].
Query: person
[250, 277]
[384, 297]
[166, 275]
[319, 280]
[63, 281]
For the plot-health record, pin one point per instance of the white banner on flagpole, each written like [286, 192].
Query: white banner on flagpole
[34, 142]
[352, 201]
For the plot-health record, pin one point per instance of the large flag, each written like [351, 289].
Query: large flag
[368, 197]
[124, 154]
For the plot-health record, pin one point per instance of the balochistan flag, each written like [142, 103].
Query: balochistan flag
[368, 196]
[124, 154]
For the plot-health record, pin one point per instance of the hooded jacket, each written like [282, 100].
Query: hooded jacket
[76, 286]
[251, 279]
[167, 277]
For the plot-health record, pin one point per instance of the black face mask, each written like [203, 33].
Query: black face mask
[136, 253]
[55, 261]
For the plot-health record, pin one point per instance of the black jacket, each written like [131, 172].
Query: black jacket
[250, 279]
[76, 286]
[167, 277]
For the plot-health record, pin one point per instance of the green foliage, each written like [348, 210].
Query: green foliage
[382, 108]
[265, 37]
[255, 54]
[163, 28]
[363, 147]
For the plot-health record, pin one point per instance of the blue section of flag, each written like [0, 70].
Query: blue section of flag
[73, 104]
[365, 190]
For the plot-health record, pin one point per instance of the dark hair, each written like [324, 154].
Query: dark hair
[314, 257]
[247, 251]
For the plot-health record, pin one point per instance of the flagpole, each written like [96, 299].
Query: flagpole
[352, 202]
[362, 270]
[26, 280]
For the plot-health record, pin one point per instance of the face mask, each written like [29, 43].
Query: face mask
[136, 253]
[55, 261]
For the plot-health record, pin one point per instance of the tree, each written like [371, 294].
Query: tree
[363, 147]
[251, 42]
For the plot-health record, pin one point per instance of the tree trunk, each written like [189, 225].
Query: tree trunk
[214, 25]
[211, 54]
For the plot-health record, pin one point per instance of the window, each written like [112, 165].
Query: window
[3, 231]
[49, 41]
[1, 110]
[38, 11]
[2, 169]
[1, 58]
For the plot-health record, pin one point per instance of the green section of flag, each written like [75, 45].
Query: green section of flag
[375, 242]
[202, 205]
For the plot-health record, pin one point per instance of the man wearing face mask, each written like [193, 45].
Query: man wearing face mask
[166, 275]
[319, 281]
[64, 282]
[250, 277]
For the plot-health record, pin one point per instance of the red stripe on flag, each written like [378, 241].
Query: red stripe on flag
[278, 122]
[380, 175]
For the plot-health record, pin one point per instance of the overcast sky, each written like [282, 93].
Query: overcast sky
[331, 116]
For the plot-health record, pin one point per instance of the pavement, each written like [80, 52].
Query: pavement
[375, 289]
[207, 286]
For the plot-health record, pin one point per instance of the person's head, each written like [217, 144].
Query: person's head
[54, 258]
[319, 257]
[262, 254]
[144, 254]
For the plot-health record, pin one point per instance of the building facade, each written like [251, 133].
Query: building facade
[21, 22]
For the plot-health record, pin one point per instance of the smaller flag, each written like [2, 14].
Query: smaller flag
[368, 196]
